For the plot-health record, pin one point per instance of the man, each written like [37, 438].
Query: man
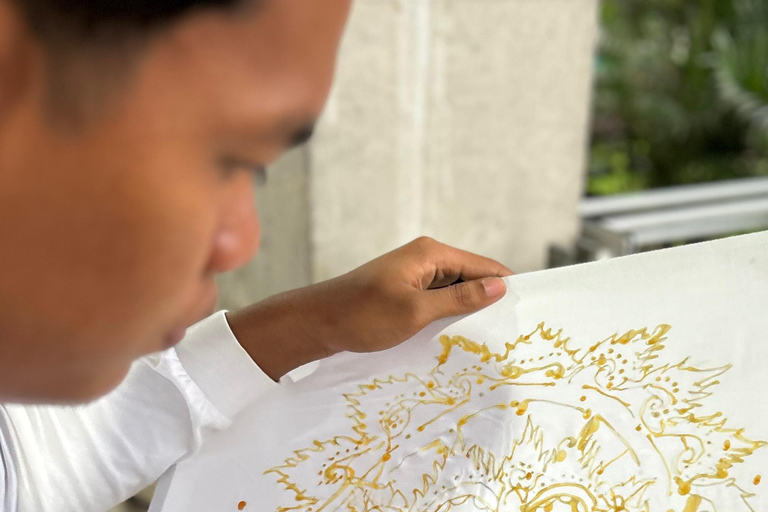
[129, 132]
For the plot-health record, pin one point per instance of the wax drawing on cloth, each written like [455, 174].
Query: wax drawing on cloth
[540, 427]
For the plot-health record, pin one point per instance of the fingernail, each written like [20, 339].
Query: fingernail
[494, 287]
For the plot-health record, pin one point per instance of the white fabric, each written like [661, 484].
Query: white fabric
[87, 459]
[635, 384]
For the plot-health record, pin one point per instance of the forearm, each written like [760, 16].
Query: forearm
[283, 332]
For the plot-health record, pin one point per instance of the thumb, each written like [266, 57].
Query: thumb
[464, 298]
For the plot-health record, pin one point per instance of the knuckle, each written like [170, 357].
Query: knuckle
[462, 295]
[424, 242]
[425, 247]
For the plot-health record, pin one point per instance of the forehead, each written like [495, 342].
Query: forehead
[270, 63]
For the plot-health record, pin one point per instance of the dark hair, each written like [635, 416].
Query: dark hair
[85, 19]
[102, 36]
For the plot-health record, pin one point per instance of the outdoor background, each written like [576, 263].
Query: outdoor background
[681, 93]
[484, 123]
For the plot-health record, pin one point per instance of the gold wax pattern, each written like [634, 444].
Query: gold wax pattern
[541, 426]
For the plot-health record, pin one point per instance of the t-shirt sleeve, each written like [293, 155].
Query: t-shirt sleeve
[89, 458]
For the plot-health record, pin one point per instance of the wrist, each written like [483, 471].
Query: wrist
[281, 333]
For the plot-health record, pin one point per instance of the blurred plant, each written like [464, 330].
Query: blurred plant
[682, 93]
[742, 65]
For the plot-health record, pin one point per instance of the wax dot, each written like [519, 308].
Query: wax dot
[241, 505]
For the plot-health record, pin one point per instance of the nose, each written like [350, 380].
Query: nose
[237, 237]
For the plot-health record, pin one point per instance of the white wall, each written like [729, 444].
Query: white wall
[465, 120]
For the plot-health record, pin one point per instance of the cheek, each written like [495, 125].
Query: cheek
[171, 224]
[100, 273]
[110, 256]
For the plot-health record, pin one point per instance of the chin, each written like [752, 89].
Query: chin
[90, 390]
[81, 392]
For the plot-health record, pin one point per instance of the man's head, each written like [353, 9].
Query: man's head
[128, 134]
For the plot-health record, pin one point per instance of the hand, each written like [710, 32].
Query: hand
[373, 308]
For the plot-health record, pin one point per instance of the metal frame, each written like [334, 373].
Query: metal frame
[626, 224]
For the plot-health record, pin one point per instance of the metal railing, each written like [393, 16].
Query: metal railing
[631, 223]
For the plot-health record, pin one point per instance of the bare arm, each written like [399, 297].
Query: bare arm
[373, 308]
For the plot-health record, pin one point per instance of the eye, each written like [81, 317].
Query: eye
[231, 165]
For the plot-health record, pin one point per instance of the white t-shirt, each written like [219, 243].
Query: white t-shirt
[89, 458]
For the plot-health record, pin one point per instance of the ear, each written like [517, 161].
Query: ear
[16, 43]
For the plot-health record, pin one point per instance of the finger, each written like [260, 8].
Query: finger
[463, 298]
[445, 264]
[467, 266]
[440, 282]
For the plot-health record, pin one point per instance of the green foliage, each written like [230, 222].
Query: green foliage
[682, 93]
[742, 66]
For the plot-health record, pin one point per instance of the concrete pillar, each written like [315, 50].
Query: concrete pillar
[464, 120]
